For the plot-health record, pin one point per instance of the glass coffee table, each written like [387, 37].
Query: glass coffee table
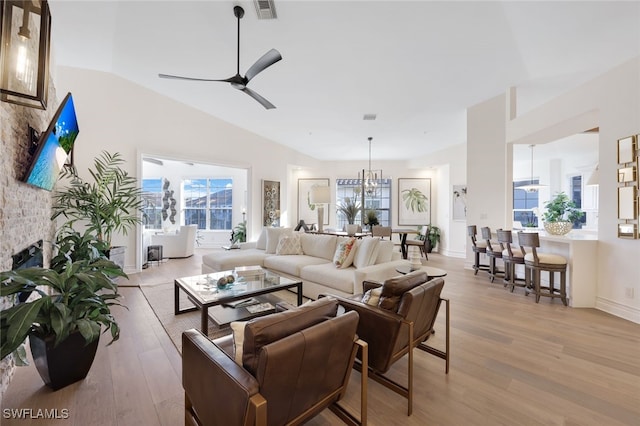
[203, 292]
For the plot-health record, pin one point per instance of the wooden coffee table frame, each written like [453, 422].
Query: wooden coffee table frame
[204, 306]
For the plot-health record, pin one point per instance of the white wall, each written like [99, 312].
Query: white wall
[489, 190]
[611, 102]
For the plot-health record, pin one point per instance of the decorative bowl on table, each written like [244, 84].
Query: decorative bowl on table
[558, 228]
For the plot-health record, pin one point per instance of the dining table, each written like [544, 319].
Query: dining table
[402, 234]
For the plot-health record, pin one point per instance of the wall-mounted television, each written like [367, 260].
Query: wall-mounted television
[54, 146]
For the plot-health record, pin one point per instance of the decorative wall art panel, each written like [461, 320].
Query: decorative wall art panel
[270, 203]
[414, 201]
[459, 202]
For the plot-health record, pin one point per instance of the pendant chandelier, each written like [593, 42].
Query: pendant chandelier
[369, 177]
[531, 187]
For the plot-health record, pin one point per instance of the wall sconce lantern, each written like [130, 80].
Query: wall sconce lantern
[25, 28]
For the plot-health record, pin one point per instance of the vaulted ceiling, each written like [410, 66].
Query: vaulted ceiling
[417, 65]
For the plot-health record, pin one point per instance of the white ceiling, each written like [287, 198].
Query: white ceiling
[418, 64]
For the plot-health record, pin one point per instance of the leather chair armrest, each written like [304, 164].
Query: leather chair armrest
[203, 365]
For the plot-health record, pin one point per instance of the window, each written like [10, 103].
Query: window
[575, 194]
[524, 202]
[380, 202]
[208, 203]
[152, 203]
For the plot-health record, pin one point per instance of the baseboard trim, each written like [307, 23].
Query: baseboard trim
[614, 308]
[451, 253]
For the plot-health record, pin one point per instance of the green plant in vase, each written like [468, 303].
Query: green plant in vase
[109, 202]
[560, 214]
[74, 305]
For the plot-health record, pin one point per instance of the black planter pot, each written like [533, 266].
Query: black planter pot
[64, 364]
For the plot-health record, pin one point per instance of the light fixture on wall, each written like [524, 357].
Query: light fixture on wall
[594, 179]
[320, 195]
[369, 177]
[531, 187]
[25, 28]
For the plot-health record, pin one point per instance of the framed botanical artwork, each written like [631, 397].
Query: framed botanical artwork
[414, 201]
[306, 210]
[459, 210]
[270, 203]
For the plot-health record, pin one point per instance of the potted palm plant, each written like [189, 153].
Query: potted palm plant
[65, 322]
[349, 209]
[560, 214]
[109, 202]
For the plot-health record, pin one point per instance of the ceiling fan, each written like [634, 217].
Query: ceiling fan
[237, 81]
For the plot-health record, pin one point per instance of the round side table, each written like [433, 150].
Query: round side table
[431, 271]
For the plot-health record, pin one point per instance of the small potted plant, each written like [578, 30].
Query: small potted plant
[560, 214]
[433, 236]
[65, 322]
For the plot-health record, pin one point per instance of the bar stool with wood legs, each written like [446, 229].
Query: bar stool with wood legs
[493, 251]
[535, 262]
[477, 247]
[511, 258]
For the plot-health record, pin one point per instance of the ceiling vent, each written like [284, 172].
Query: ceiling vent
[266, 9]
[369, 117]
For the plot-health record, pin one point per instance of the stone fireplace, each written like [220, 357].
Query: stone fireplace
[24, 210]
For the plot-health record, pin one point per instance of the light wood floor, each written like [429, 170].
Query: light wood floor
[513, 362]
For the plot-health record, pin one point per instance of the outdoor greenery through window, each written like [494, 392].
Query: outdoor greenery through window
[576, 196]
[208, 203]
[152, 203]
[523, 204]
[380, 202]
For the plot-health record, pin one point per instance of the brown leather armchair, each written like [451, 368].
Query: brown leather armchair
[402, 320]
[294, 365]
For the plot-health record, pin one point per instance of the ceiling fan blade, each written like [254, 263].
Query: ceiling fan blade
[177, 77]
[265, 103]
[268, 59]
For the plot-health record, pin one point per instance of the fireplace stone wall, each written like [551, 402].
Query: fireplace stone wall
[25, 211]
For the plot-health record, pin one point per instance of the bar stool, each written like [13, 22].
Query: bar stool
[535, 262]
[477, 247]
[511, 259]
[493, 252]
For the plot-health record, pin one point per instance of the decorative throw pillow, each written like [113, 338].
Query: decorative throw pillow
[273, 238]
[367, 252]
[372, 297]
[289, 245]
[345, 251]
[238, 340]
[262, 240]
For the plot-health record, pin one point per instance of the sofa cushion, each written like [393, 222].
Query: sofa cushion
[319, 245]
[273, 238]
[345, 251]
[264, 330]
[293, 264]
[385, 252]
[394, 288]
[330, 276]
[262, 240]
[227, 260]
[366, 253]
[289, 245]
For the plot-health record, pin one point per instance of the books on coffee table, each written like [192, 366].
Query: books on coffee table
[259, 307]
[249, 271]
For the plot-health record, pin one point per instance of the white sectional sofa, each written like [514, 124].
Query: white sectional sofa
[370, 259]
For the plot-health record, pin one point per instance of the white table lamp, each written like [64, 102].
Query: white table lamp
[320, 195]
